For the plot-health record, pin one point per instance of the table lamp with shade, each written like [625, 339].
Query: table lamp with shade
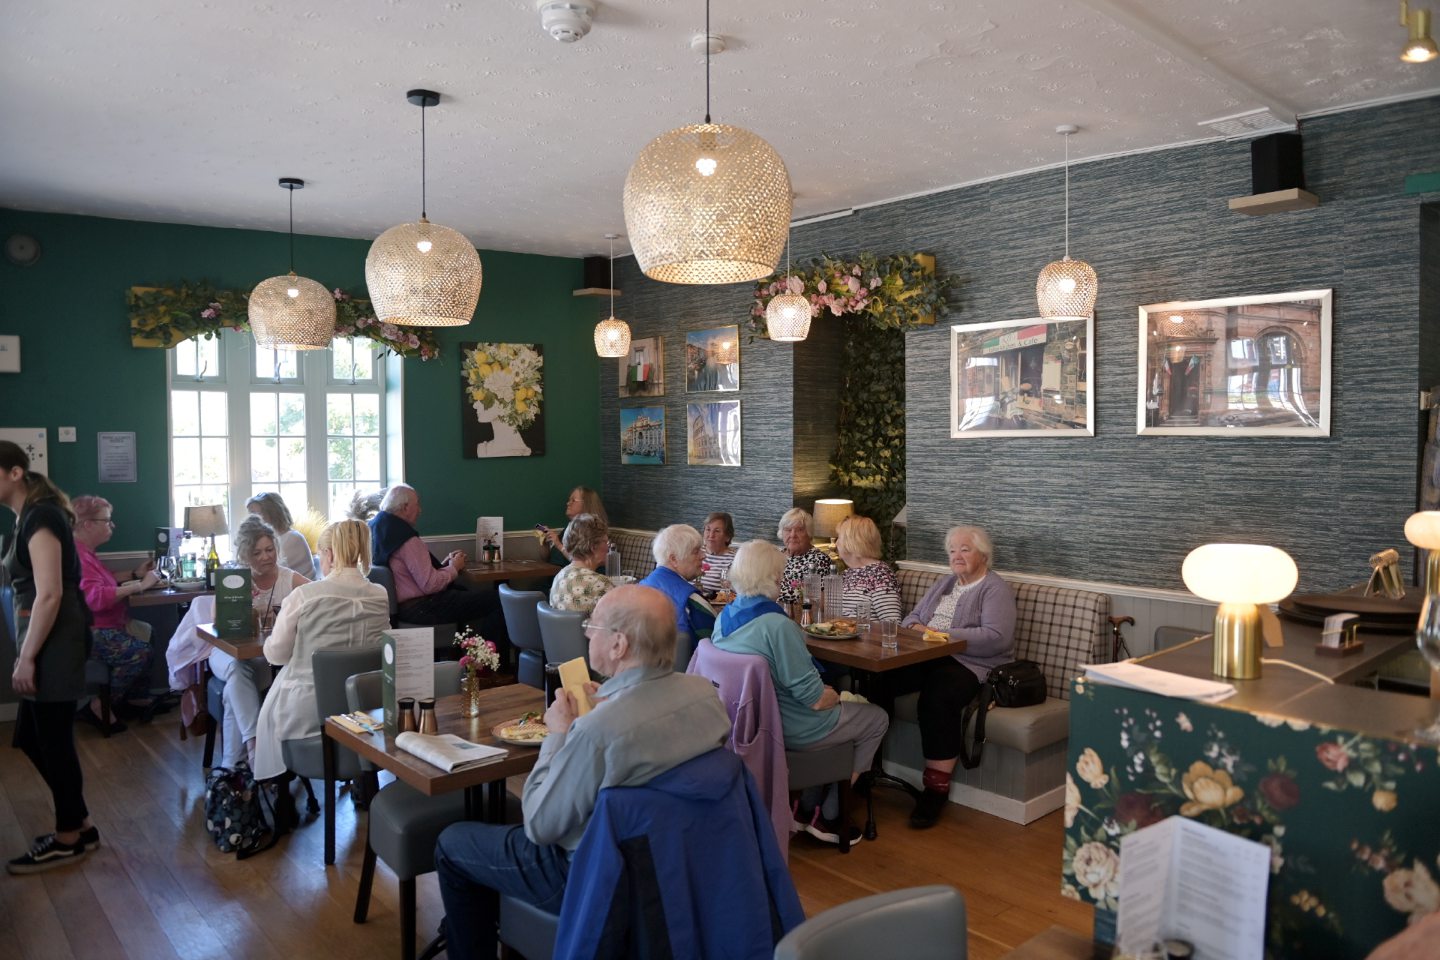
[1239, 576]
[206, 520]
[1423, 530]
[829, 514]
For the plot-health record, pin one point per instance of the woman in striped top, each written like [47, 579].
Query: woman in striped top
[716, 536]
[867, 577]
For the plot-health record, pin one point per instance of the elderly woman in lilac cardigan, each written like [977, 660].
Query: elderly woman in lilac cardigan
[972, 604]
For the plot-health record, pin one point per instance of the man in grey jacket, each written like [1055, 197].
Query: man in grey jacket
[647, 719]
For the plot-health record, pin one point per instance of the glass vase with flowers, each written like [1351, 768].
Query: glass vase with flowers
[480, 660]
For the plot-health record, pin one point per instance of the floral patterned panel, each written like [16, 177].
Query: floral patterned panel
[1352, 822]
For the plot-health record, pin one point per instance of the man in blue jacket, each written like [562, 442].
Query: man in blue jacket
[646, 721]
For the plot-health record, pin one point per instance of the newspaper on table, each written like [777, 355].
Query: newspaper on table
[448, 751]
[1130, 674]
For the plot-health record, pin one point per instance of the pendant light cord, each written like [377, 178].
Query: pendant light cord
[422, 160]
[707, 61]
[291, 191]
[612, 279]
[1067, 196]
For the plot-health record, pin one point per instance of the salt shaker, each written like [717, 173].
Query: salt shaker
[406, 708]
[428, 723]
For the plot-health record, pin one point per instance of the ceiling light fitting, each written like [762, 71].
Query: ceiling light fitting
[566, 20]
[707, 203]
[612, 337]
[1420, 47]
[1066, 289]
[292, 312]
[787, 315]
[422, 274]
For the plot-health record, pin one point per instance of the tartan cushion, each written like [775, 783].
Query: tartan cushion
[636, 556]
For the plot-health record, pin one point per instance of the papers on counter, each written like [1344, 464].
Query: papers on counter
[1130, 674]
[448, 751]
[361, 723]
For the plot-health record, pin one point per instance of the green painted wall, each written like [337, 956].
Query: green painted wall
[78, 368]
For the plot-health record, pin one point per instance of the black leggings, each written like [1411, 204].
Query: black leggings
[46, 733]
[946, 687]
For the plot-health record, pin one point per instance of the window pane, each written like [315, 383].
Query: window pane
[292, 459]
[262, 414]
[340, 496]
[185, 461]
[367, 460]
[367, 415]
[340, 358]
[207, 355]
[214, 461]
[214, 418]
[184, 413]
[364, 359]
[266, 360]
[339, 459]
[292, 414]
[185, 359]
[264, 460]
[297, 499]
[337, 416]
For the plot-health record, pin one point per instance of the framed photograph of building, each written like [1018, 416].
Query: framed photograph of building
[1236, 366]
[642, 435]
[1022, 378]
[712, 359]
[642, 371]
[713, 434]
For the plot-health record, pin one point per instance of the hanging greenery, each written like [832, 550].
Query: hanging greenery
[895, 292]
[164, 316]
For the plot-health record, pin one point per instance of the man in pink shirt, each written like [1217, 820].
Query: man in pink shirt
[426, 589]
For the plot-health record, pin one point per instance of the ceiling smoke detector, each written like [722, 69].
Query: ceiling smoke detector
[566, 20]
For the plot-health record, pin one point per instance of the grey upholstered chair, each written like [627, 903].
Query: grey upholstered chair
[403, 823]
[306, 758]
[561, 634]
[929, 921]
[523, 625]
[444, 632]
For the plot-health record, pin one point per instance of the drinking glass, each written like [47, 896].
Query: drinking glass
[1427, 638]
[812, 588]
[862, 618]
[890, 634]
[834, 606]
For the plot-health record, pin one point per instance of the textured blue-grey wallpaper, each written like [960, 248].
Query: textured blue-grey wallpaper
[1115, 507]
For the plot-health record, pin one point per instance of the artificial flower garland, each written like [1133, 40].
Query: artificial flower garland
[893, 292]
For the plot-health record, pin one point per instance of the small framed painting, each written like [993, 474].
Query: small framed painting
[712, 435]
[642, 372]
[712, 360]
[1236, 366]
[642, 435]
[1022, 378]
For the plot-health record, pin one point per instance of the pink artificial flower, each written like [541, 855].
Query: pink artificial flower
[389, 330]
[795, 285]
[413, 340]
[341, 294]
[215, 306]
[837, 309]
[862, 293]
[209, 313]
[855, 270]
[465, 661]
[821, 286]
[874, 282]
[852, 283]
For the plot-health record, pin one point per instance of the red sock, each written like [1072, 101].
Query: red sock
[937, 781]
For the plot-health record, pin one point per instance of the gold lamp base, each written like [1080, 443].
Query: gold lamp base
[1237, 641]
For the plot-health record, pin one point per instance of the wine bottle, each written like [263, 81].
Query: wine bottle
[212, 564]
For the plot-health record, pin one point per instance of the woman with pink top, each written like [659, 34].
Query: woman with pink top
[126, 654]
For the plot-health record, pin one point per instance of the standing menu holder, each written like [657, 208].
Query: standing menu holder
[234, 608]
[407, 669]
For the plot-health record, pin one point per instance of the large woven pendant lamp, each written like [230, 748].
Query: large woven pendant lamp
[1066, 288]
[292, 312]
[707, 203]
[787, 315]
[612, 337]
[422, 274]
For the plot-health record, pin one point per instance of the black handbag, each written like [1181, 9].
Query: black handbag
[1019, 683]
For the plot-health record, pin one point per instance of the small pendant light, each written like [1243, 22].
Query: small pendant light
[787, 315]
[612, 337]
[1066, 288]
[292, 312]
[422, 274]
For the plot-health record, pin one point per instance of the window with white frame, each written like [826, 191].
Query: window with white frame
[309, 425]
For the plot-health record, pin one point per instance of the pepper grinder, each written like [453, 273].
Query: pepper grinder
[406, 708]
[428, 724]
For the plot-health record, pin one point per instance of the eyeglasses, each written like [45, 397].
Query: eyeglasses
[587, 625]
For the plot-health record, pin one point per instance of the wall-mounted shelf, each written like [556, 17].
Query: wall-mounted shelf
[1280, 201]
[595, 292]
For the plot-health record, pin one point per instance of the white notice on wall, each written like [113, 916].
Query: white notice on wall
[117, 457]
[1182, 880]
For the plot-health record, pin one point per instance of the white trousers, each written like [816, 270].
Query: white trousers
[244, 680]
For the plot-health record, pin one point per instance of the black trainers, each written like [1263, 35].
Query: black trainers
[828, 831]
[47, 854]
[928, 808]
[89, 839]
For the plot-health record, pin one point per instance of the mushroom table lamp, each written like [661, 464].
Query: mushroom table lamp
[1423, 530]
[1238, 576]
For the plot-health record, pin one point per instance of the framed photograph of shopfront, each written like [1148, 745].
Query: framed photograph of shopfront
[1022, 378]
[1236, 366]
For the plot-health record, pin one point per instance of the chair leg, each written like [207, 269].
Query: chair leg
[210, 727]
[367, 879]
[312, 805]
[104, 696]
[407, 919]
[845, 815]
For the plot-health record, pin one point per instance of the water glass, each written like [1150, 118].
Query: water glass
[862, 618]
[834, 597]
[812, 587]
[890, 634]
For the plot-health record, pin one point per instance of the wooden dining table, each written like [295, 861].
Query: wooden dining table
[497, 706]
[509, 570]
[247, 648]
[166, 596]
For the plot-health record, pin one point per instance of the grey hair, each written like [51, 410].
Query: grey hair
[795, 517]
[756, 569]
[649, 628]
[584, 534]
[677, 540]
[248, 537]
[977, 536]
[398, 497]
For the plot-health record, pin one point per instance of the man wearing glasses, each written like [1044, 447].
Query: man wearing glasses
[647, 719]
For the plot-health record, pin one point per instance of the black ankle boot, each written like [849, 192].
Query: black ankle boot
[928, 808]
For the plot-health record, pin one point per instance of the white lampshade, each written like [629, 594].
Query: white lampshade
[207, 520]
[612, 338]
[1066, 289]
[423, 275]
[1423, 529]
[787, 317]
[293, 313]
[829, 514]
[1240, 573]
[707, 203]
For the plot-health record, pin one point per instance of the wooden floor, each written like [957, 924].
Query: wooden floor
[158, 888]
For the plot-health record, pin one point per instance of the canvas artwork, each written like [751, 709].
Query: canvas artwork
[712, 359]
[1021, 378]
[642, 435]
[713, 433]
[502, 393]
[642, 372]
[1236, 366]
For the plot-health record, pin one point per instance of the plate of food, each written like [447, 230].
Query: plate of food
[526, 731]
[189, 584]
[842, 628]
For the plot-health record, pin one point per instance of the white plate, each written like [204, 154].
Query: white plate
[621, 580]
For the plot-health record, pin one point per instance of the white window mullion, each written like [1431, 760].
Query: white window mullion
[317, 364]
[239, 361]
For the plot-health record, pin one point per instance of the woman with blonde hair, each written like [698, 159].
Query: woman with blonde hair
[340, 611]
[867, 577]
[294, 549]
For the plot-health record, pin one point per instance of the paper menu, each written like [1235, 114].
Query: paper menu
[407, 669]
[1182, 880]
[489, 530]
[1130, 674]
[574, 674]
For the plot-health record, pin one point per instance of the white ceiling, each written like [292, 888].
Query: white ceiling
[188, 111]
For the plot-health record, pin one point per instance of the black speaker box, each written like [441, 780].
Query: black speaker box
[1276, 163]
[597, 273]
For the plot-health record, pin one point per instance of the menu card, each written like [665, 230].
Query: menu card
[407, 668]
[574, 674]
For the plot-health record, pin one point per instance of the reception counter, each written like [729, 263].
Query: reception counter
[1317, 769]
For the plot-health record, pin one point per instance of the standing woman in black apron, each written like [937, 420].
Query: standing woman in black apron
[52, 643]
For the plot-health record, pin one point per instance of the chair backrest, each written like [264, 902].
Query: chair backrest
[365, 691]
[930, 921]
[386, 579]
[637, 556]
[520, 620]
[561, 634]
[332, 668]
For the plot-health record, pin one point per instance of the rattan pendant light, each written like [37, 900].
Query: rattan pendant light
[292, 312]
[707, 203]
[1066, 288]
[787, 315]
[422, 274]
[612, 337]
